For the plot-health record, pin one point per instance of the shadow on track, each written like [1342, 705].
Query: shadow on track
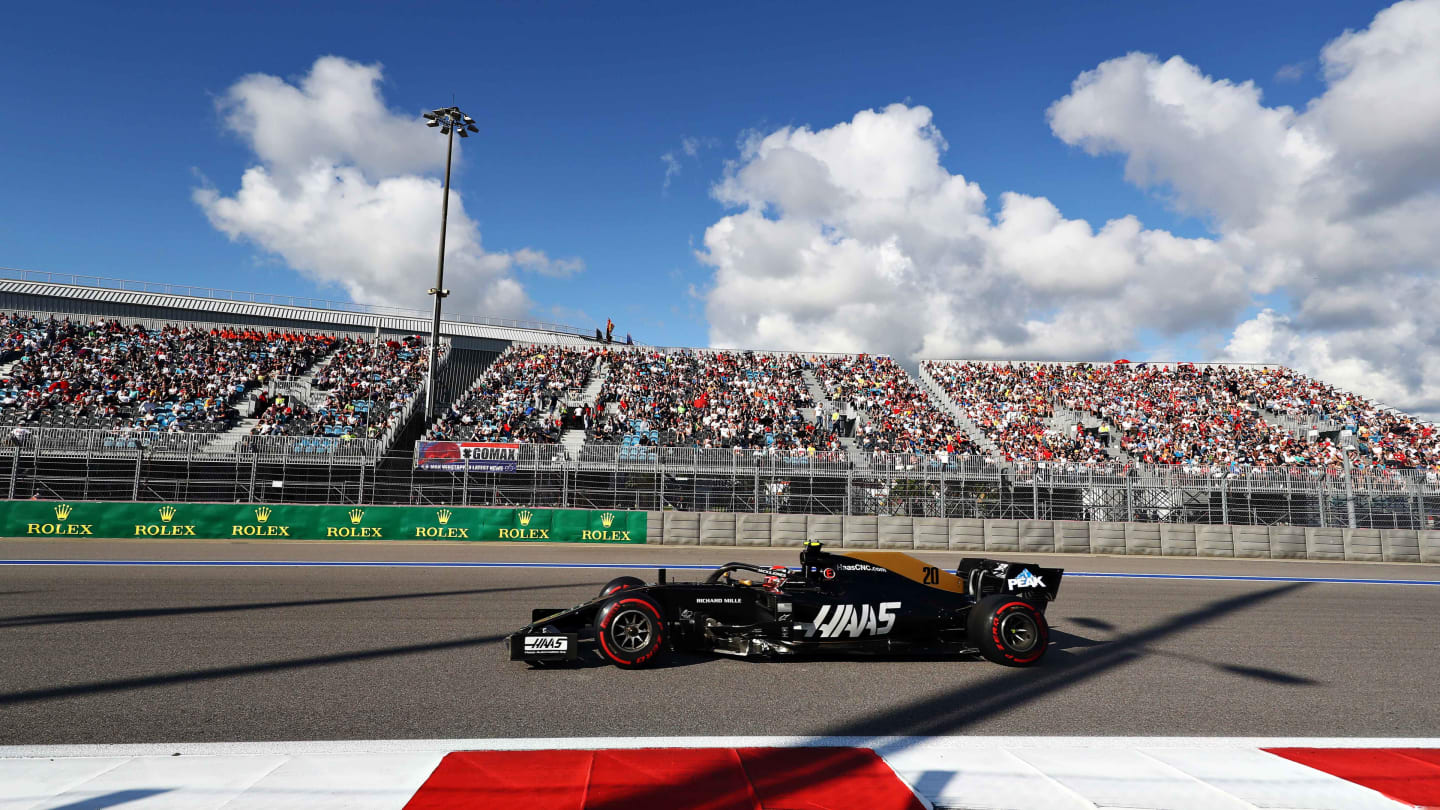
[217, 673]
[148, 613]
[955, 710]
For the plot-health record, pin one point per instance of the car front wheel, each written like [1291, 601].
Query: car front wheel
[629, 631]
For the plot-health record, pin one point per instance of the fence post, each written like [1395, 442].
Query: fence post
[849, 484]
[1419, 502]
[360, 496]
[1129, 497]
[943, 482]
[564, 482]
[1349, 487]
[254, 471]
[135, 486]
[755, 503]
[1035, 491]
[1322, 500]
[14, 471]
[1224, 500]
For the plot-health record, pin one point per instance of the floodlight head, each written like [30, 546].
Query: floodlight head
[468, 119]
[463, 133]
[445, 130]
[430, 116]
[473, 128]
[432, 123]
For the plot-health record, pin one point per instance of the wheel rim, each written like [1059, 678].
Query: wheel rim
[631, 631]
[1019, 632]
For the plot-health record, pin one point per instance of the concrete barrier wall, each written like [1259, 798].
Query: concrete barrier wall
[861, 531]
[752, 530]
[1177, 540]
[1430, 546]
[717, 528]
[788, 530]
[999, 537]
[1002, 535]
[828, 529]
[681, 529]
[1325, 544]
[967, 534]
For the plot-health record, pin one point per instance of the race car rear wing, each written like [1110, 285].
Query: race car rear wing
[983, 577]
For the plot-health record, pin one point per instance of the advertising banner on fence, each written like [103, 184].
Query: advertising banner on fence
[472, 456]
[216, 521]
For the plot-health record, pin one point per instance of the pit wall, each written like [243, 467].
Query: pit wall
[1043, 536]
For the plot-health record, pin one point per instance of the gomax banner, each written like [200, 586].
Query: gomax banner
[216, 521]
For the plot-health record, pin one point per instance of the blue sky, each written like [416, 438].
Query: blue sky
[109, 118]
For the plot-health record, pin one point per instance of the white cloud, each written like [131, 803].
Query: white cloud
[1293, 72]
[672, 167]
[857, 237]
[690, 147]
[341, 194]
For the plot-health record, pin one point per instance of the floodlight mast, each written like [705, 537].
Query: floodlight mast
[449, 120]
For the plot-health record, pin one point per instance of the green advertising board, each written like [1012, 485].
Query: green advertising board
[216, 521]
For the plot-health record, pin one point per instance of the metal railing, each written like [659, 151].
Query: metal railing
[50, 463]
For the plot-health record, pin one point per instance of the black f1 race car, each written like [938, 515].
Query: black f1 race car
[876, 602]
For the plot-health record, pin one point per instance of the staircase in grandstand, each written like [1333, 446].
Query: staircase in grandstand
[297, 388]
[573, 440]
[939, 396]
[817, 393]
[1065, 420]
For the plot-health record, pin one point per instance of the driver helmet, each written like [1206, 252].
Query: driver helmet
[776, 578]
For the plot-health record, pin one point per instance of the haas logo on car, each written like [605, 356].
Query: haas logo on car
[1026, 580]
[853, 621]
[546, 644]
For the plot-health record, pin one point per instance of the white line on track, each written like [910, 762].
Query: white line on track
[579, 566]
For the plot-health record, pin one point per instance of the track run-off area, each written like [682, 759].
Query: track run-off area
[189, 642]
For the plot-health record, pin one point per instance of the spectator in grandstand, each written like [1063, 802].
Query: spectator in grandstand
[730, 400]
[898, 416]
[521, 397]
[99, 373]
[369, 383]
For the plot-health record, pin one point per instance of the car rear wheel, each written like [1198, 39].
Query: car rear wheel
[1008, 631]
[620, 584]
[629, 631]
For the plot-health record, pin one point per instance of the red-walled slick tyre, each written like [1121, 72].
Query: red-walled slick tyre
[629, 631]
[620, 584]
[1008, 631]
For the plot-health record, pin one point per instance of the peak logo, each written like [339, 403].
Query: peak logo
[1026, 580]
[853, 621]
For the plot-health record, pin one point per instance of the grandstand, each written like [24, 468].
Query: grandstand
[153, 388]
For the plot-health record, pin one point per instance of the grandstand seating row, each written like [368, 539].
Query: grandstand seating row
[103, 374]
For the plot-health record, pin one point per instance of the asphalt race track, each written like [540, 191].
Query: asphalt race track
[164, 653]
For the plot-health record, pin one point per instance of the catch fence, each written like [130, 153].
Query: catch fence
[48, 465]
